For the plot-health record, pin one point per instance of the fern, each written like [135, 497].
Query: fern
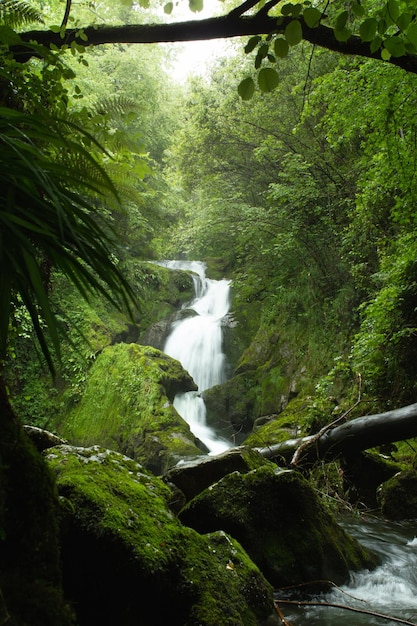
[15, 13]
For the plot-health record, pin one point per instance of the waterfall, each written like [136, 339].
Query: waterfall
[196, 341]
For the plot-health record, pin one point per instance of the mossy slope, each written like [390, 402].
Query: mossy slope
[127, 406]
[127, 559]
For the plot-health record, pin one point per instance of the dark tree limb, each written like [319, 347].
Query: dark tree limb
[350, 438]
[227, 26]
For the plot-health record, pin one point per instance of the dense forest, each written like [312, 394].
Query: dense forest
[289, 167]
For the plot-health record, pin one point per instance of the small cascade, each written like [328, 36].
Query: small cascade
[196, 341]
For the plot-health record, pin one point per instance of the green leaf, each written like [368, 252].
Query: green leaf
[341, 20]
[368, 28]
[293, 33]
[343, 34]
[376, 43]
[411, 34]
[246, 89]
[404, 21]
[196, 5]
[395, 46]
[287, 9]
[393, 10]
[357, 9]
[8, 36]
[168, 8]
[281, 47]
[312, 17]
[252, 43]
[385, 54]
[268, 79]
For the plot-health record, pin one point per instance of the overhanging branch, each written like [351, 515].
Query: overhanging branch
[224, 27]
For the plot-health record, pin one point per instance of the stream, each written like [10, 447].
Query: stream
[390, 589]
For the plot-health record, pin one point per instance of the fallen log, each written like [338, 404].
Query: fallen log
[349, 438]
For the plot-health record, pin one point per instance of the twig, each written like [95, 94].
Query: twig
[280, 615]
[397, 620]
[320, 582]
[66, 14]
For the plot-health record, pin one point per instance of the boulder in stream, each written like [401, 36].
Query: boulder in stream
[278, 518]
[127, 559]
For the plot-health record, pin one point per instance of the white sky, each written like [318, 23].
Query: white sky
[195, 56]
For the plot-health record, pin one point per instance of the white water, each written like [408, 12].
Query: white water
[390, 589]
[196, 342]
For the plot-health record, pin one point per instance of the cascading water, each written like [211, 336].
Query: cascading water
[196, 342]
[389, 590]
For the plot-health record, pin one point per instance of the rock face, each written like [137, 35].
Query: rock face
[398, 496]
[127, 406]
[277, 517]
[127, 560]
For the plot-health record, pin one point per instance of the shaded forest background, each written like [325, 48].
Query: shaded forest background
[304, 197]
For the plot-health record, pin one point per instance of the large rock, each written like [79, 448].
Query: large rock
[191, 477]
[127, 406]
[277, 517]
[398, 496]
[127, 560]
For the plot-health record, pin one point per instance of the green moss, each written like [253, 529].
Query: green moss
[30, 575]
[398, 496]
[127, 406]
[279, 520]
[115, 516]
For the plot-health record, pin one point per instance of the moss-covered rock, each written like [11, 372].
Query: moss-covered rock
[30, 574]
[127, 406]
[278, 518]
[195, 475]
[301, 416]
[127, 559]
[398, 496]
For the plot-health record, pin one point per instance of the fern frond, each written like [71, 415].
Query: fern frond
[117, 105]
[15, 13]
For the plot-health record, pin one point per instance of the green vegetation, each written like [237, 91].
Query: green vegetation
[302, 190]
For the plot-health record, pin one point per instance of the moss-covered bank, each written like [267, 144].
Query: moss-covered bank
[127, 406]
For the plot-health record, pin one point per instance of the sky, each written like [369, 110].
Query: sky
[195, 56]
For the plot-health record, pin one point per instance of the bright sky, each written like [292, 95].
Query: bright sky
[195, 56]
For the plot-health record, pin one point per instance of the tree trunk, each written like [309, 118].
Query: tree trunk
[349, 438]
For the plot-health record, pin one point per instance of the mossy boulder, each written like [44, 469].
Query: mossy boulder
[278, 518]
[127, 406]
[128, 560]
[30, 573]
[193, 476]
[398, 496]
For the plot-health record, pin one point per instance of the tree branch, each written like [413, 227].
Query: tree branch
[223, 27]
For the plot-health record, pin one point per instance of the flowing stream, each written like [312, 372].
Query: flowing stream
[196, 341]
[390, 589]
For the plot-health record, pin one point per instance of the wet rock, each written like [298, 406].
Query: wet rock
[127, 560]
[398, 496]
[279, 520]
